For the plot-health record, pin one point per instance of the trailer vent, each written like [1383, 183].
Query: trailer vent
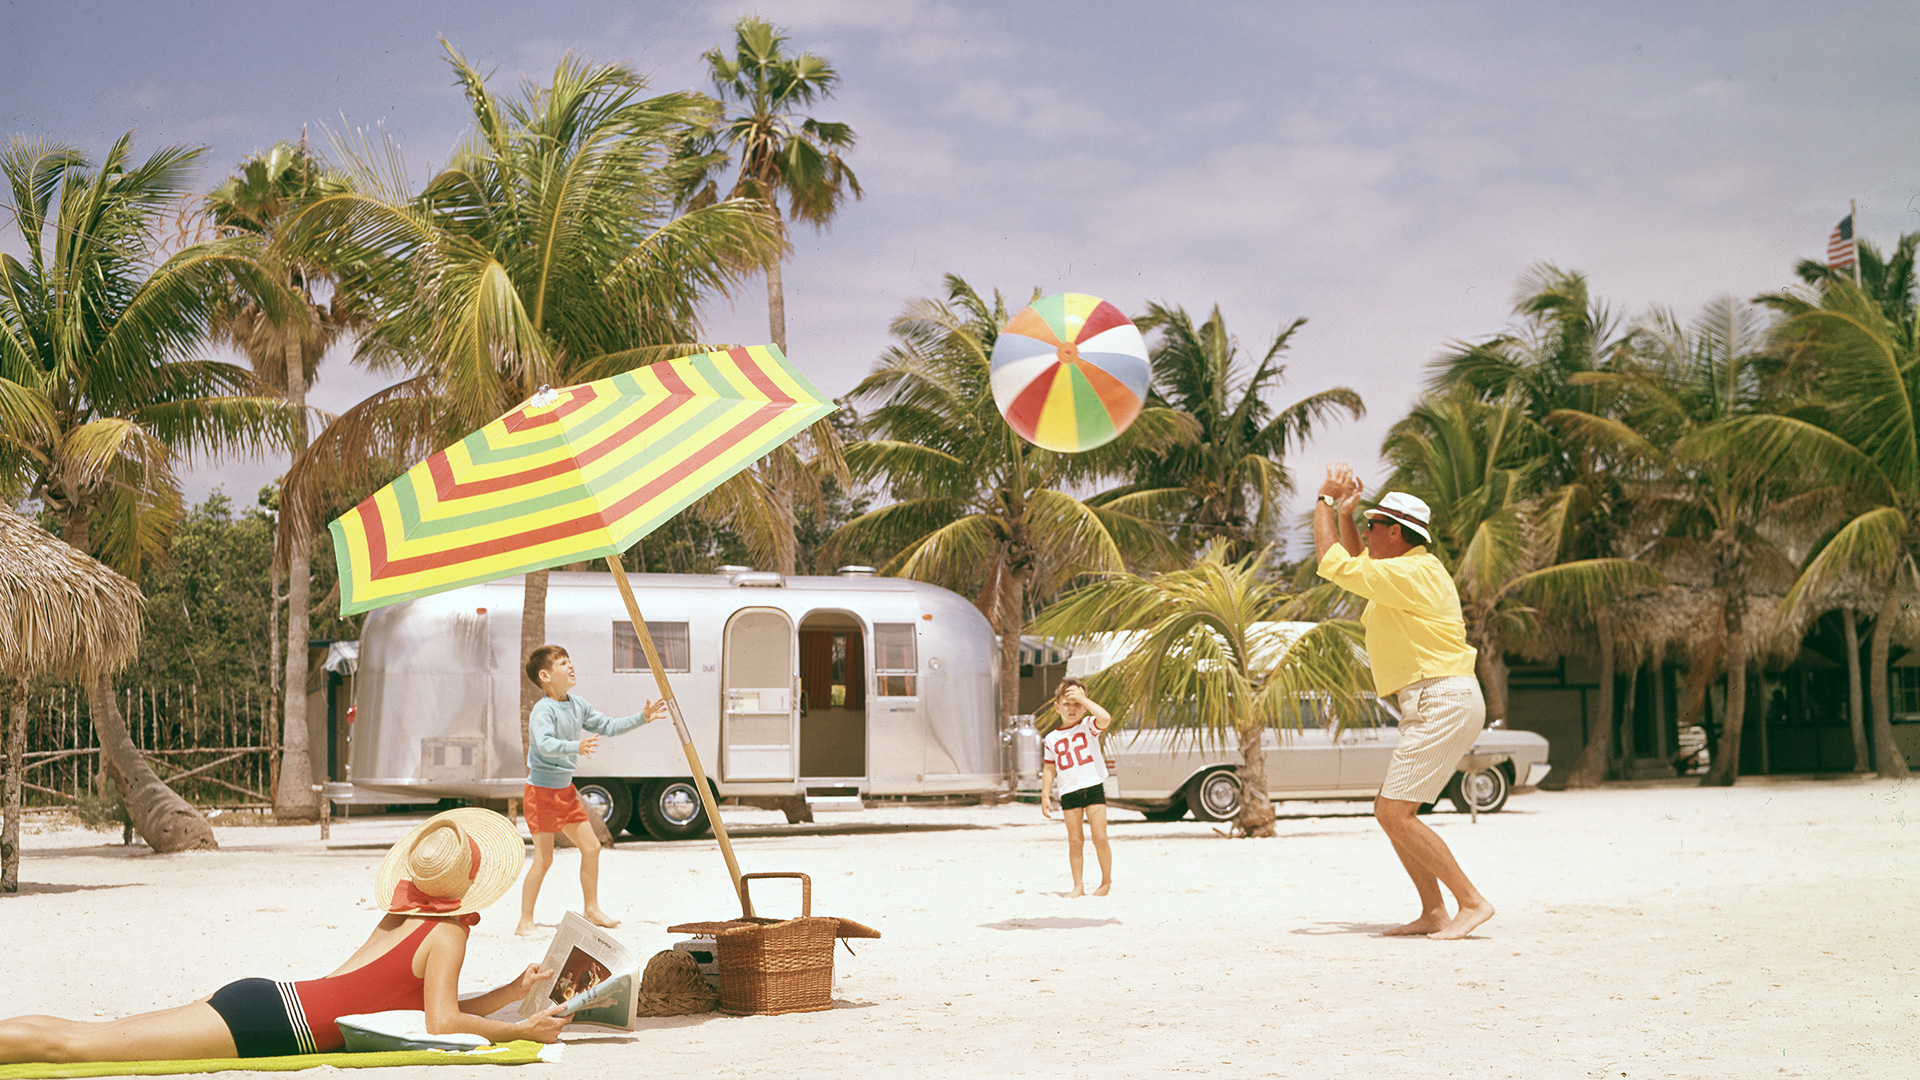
[856, 571]
[450, 759]
[763, 579]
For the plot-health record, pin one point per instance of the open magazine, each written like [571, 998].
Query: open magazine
[595, 979]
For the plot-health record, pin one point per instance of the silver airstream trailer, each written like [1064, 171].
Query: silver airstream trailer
[823, 688]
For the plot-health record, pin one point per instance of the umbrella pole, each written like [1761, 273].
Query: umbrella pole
[680, 726]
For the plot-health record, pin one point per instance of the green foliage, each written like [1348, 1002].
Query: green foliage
[206, 616]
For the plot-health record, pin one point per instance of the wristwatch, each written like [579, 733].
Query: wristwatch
[1329, 500]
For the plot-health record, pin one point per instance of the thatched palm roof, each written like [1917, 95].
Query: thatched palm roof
[61, 612]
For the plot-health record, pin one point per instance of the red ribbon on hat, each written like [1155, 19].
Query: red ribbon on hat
[408, 897]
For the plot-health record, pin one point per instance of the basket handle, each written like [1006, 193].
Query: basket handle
[806, 891]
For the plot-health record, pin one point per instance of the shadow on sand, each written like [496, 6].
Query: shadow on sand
[29, 888]
[1049, 923]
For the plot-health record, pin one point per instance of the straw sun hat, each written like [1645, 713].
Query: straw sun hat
[453, 863]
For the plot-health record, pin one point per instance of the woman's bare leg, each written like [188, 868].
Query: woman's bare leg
[185, 1032]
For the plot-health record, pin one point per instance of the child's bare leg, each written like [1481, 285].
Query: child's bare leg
[1076, 857]
[536, 873]
[581, 833]
[1097, 824]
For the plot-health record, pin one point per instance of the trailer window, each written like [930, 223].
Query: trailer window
[669, 638]
[894, 662]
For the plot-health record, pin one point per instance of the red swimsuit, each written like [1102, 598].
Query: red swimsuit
[385, 982]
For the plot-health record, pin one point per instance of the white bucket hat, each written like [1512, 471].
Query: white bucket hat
[1407, 511]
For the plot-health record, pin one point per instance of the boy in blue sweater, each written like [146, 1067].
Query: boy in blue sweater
[561, 729]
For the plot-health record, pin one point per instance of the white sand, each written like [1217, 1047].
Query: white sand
[1672, 931]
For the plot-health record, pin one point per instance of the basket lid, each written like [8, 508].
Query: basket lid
[845, 928]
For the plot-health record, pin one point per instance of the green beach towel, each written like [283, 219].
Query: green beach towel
[518, 1052]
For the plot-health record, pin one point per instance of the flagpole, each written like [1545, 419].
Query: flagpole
[680, 726]
[1853, 215]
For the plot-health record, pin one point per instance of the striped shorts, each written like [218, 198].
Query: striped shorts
[1439, 720]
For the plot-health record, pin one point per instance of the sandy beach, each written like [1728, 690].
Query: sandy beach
[1655, 931]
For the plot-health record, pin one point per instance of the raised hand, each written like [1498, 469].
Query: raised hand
[588, 744]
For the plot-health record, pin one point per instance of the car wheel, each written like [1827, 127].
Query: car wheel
[671, 810]
[1215, 796]
[1167, 813]
[1484, 790]
[612, 798]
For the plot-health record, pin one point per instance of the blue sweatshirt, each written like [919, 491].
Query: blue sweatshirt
[553, 737]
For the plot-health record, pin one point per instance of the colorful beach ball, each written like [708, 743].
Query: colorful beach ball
[1069, 372]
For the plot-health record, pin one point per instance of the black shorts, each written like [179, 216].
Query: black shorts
[1085, 797]
[264, 1017]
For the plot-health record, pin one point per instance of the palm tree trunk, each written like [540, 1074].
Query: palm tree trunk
[1856, 713]
[1491, 666]
[533, 634]
[160, 816]
[294, 799]
[1256, 809]
[16, 759]
[776, 305]
[1591, 769]
[1726, 758]
[1888, 759]
[1012, 603]
[1629, 745]
[163, 819]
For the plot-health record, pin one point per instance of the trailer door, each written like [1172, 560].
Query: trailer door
[758, 670]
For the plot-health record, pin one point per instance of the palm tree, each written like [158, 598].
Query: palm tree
[547, 253]
[980, 510]
[1235, 472]
[1479, 467]
[1866, 435]
[780, 151]
[256, 202]
[100, 395]
[1211, 656]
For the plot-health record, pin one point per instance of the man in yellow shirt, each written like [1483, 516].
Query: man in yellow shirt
[1417, 642]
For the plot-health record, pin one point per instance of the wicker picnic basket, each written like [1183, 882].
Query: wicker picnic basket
[772, 966]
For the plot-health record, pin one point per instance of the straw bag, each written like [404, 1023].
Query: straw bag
[772, 966]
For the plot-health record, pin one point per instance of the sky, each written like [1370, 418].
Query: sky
[1387, 170]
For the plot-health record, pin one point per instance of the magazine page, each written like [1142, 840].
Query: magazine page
[594, 979]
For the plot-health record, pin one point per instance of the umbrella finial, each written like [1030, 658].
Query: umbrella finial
[543, 397]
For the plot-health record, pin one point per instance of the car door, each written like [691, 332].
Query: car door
[1365, 751]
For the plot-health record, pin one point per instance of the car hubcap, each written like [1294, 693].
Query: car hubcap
[679, 804]
[1221, 794]
[1483, 787]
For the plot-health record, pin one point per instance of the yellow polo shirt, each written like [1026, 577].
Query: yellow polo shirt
[1414, 628]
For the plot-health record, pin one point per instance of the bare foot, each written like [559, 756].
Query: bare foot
[525, 929]
[601, 918]
[1464, 923]
[1425, 924]
[1077, 891]
[1105, 887]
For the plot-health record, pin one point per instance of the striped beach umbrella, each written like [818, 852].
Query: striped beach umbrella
[572, 474]
[1069, 372]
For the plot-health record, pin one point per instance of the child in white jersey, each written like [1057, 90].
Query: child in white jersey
[1073, 760]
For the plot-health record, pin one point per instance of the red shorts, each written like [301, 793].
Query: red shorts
[550, 808]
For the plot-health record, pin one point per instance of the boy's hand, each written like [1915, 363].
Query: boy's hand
[656, 711]
[588, 744]
[1046, 808]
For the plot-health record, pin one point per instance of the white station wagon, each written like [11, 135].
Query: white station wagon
[1167, 773]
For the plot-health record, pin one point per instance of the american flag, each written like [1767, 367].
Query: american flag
[1840, 245]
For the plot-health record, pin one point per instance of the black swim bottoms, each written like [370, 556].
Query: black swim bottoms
[264, 1017]
[1085, 797]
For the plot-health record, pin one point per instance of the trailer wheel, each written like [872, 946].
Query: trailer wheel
[1215, 796]
[671, 810]
[613, 798]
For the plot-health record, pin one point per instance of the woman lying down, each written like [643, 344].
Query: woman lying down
[432, 886]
